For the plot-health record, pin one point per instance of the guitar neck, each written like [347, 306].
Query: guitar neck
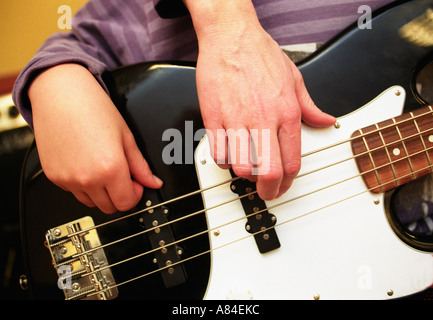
[396, 151]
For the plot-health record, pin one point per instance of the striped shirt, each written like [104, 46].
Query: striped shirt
[107, 34]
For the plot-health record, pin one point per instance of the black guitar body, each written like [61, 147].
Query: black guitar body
[343, 76]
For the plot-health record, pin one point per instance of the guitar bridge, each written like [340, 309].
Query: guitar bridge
[82, 268]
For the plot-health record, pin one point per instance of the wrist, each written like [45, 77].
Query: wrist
[216, 18]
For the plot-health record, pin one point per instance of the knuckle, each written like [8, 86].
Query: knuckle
[242, 170]
[293, 116]
[273, 175]
[108, 168]
[292, 168]
[83, 180]
[125, 205]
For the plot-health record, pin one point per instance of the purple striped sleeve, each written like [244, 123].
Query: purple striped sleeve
[106, 35]
[102, 38]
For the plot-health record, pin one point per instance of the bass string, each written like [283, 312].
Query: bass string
[393, 125]
[238, 198]
[252, 214]
[246, 216]
[247, 236]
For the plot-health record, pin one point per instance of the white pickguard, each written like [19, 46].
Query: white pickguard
[346, 250]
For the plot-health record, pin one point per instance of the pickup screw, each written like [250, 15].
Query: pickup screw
[24, 283]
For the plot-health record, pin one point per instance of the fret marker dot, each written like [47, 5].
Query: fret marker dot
[396, 151]
[430, 138]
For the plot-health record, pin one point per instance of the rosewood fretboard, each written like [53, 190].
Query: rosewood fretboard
[396, 151]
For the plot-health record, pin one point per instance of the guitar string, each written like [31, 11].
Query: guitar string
[253, 214]
[419, 134]
[392, 125]
[243, 238]
[238, 198]
[422, 151]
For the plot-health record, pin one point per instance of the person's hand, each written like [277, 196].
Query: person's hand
[246, 83]
[84, 144]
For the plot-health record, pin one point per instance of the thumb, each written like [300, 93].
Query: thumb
[139, 168]
[311, 114]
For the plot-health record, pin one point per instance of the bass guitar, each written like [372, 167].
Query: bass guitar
[206, 234]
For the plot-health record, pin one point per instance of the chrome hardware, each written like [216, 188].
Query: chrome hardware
[80, 265]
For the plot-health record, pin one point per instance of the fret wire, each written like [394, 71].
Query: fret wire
[199, 191]
[371, 160]
[422, 140]
[404, 147]
[388, 155]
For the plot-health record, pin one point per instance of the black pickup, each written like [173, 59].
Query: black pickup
[260, 222]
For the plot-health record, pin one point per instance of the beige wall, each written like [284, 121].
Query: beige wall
[24, 26]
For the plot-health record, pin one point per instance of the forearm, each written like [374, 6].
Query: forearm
[59, 49]
[61, 91]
